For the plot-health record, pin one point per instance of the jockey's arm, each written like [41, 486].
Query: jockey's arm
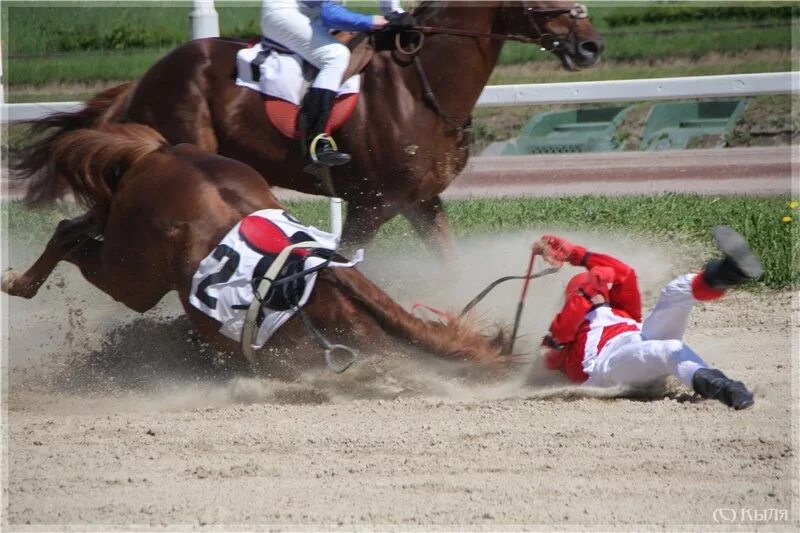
[565, 325]
[624, 292]
[335, 16]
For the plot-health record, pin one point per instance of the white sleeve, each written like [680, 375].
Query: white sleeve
[390, 6]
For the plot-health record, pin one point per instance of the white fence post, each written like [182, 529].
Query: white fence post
[2, 78]
[336, 217]
[203, 19]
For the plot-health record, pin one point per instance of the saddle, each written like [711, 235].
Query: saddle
[283, 77]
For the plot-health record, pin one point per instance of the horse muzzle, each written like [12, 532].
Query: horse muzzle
[576, 55]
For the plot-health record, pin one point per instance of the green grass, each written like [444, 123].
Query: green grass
[647, 47]
[36, 27]
[81, 67]
[687, 218]
[752, 63]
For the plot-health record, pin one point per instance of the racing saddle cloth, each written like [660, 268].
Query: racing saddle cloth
[222, 286]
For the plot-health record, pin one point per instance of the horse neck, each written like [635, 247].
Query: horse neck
[455, 340]
[458, 67]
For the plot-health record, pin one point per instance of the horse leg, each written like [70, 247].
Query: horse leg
[430, 221]
[68, 235]
[115, 278]
[362, 224]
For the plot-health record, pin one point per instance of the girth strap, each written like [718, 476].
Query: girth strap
[249, 329]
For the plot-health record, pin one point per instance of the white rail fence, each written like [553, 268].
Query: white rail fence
[734, 85]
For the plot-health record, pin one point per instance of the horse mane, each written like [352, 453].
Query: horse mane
[457, 338]
[92, 161]
[425, 9]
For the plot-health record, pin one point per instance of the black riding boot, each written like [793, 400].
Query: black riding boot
[317, 106]
[739, 265]
[713, 384]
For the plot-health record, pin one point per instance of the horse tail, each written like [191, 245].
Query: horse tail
[32, 162]
[455, 339]
[92, 161]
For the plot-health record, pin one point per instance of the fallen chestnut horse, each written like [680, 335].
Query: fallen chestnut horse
[162, 209]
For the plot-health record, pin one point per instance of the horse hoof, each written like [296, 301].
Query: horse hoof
[8, 285]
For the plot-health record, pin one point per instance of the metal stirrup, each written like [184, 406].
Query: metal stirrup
[312, 148]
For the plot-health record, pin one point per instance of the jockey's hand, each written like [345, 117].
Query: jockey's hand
[554, 353]
[549, 342]
[379, 22]
[401, 21]
[555, 250]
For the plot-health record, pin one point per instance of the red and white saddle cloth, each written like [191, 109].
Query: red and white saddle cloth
[222, 287]
[283, 79]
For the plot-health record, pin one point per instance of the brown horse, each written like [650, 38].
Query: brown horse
[161, 209]
[407, 147]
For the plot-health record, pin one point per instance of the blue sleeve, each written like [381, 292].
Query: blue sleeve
[336, 17]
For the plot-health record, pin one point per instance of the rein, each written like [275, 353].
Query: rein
[577, 11]
[548, 42]
[475, 301]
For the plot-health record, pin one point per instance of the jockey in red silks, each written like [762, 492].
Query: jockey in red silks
[303, 26]
[599, 338]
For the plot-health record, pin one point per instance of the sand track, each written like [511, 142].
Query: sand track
[115, 420]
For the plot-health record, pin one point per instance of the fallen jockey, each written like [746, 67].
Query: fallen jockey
[303, 27]
[599, 339]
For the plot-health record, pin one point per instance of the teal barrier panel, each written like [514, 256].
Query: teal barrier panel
[574, 131]
[674, 126]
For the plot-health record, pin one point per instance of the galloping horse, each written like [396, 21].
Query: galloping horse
[161, 209]
[409, 134]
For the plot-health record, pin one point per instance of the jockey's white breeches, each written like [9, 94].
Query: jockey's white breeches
[310, 39]
[658, 351]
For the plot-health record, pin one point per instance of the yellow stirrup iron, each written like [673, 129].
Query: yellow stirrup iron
[312, 149]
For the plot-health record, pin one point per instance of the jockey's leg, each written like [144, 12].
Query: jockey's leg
[429, 220]
[636, 362]
[67, 237]
[311, 40]
[670, 316]
[631, 361]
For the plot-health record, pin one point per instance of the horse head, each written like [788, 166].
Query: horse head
[560, 27]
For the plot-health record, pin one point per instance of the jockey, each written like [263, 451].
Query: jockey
[303, 27]
[599, 337]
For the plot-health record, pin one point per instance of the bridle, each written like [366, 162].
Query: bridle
[537, 18]
[535, 15]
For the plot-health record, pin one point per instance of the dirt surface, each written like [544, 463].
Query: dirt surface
[119, 421]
